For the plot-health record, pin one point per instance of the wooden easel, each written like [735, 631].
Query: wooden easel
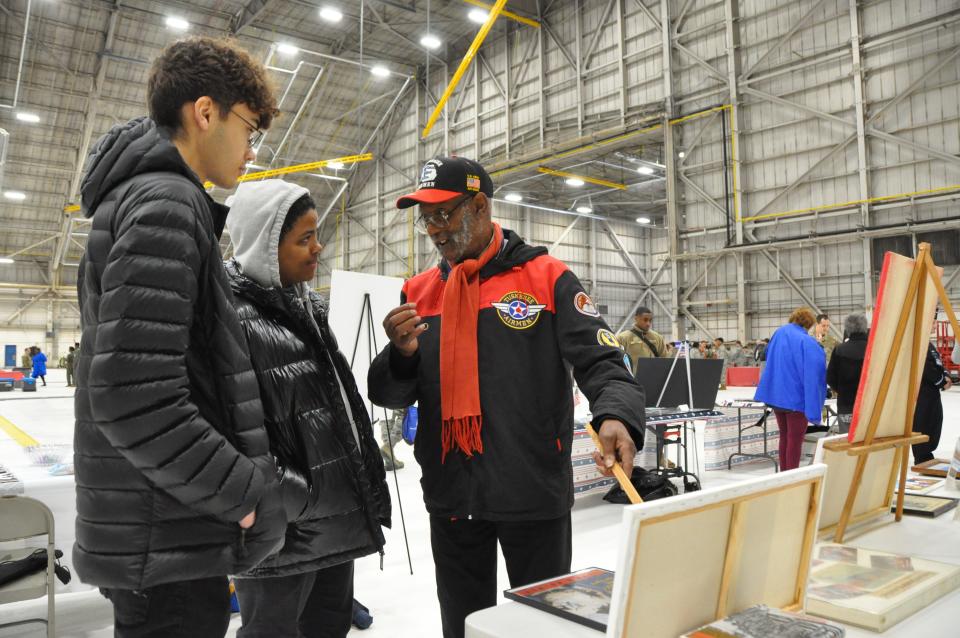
[916, 292]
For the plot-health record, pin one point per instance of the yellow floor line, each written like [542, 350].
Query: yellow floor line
[17, 434]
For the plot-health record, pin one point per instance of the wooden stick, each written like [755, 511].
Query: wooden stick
[809, 538]
[904, 456]
[622, 478]
[731, 558]
[942, 294]
[883, 443]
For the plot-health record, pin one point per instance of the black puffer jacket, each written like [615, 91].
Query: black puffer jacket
[170, 448]
[335, 490]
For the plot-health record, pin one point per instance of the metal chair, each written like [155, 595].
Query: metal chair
[21, 518]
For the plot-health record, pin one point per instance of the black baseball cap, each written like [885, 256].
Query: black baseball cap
[444, 178]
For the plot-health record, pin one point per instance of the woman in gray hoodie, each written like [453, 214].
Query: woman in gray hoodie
[331, 472]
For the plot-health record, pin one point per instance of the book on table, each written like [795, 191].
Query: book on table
[583, 596]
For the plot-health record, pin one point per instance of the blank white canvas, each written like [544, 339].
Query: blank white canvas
[347, 290]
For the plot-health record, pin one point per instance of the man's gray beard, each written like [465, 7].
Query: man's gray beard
[462, 237]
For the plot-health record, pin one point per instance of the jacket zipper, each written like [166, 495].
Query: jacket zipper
[243, 543]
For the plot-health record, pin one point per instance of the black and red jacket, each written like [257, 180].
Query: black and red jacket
[536, 323]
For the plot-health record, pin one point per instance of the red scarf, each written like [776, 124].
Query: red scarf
[459, 376]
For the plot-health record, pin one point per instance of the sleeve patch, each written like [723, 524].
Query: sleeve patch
[607, 338]
[584, 305]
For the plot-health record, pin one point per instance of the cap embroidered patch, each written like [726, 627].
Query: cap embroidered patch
[584, 305]
[473, 183]
[518, 310]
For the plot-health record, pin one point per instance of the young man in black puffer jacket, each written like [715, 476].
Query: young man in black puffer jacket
[332, 476]
[176, 487]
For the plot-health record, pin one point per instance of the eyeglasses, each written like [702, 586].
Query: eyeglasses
[255, 133]
[439, 218]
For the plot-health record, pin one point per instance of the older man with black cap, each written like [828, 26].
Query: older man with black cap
[485, 342]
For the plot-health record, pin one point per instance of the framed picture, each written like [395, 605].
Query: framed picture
[583, 596]
[874, 589]
[933, 467]
[717, 552]
[921, 484]
[928, 506]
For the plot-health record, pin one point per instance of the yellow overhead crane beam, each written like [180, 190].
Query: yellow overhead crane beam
[301, 168]
[274, 172]
[464, 65]
[592, 180]
[506, 14]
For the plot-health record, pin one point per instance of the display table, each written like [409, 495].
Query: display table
[934, 539]
[743, 376]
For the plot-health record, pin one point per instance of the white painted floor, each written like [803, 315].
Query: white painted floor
[403, 605]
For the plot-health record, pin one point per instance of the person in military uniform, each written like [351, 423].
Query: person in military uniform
[641, 341]
[391, 432]
[821, 332]
[71, 358]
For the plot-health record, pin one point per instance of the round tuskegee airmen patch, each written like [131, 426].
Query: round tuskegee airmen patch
[518, 310]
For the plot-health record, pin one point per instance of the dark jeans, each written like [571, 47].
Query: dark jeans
[465, 555]
[927, 419]
[793, 426]
[317, 604]
[189, 609]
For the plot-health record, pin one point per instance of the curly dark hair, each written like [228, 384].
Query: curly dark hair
[297, 210]
[217, 67]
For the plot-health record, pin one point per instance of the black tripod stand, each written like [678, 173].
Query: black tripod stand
[366, 316]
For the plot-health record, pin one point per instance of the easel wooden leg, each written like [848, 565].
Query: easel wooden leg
[904, 458]
[731, 558]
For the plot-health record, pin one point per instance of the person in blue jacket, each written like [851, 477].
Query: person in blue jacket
[794, 383]
[39, 365]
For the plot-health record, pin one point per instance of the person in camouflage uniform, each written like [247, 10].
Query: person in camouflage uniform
[391, 433]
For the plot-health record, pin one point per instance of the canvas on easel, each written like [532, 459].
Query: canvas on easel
[704, 555]
[874, 497]
[893, 365]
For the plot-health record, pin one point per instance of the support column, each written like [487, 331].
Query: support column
[732, 32]
[670, 161]
[862, 164]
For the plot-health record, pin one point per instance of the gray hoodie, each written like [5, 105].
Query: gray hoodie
[257, 212]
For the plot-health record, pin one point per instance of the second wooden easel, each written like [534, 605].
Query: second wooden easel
[923, 269]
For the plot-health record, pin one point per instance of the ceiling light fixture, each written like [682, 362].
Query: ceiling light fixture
[5, 260]
[575, 182]
[586, 210]
[645, 170]
[430, 41]
[331, 14]
[513, 197]
[32, 118]
[478, 15]
[287, 49]
[681, 154]
[335, 165]
[177, 24]
[380, 71]
[16, 196]
[643, 220]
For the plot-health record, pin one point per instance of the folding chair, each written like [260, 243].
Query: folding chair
[20, 518]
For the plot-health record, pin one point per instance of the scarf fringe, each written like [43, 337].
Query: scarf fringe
[463, 432]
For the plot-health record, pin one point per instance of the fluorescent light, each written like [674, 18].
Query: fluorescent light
[643, 220]
[645, 170]
[177, 24]
[335, 165]
[331, 14]
[380, 71]
[287, 49]
[5, 260]
[584, 209]
[575, 181]
[513, 197]
[430, 41]
[478, 15]
[681, 154]
[16, 196]
[32, 118]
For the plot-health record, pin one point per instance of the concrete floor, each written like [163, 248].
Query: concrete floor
[403, 605]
